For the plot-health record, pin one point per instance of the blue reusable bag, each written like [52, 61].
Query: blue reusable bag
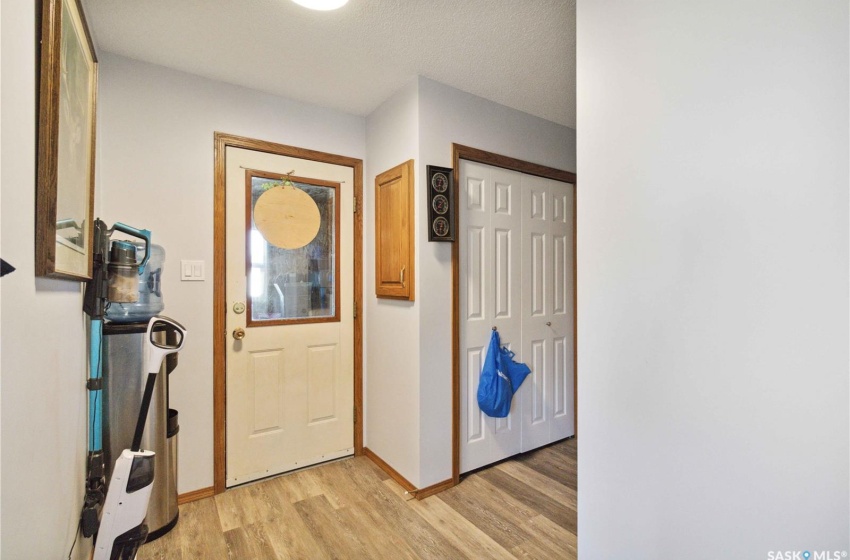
[494, 387]
[516, 371]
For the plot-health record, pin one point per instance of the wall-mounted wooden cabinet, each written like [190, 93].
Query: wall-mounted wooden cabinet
[394, 234]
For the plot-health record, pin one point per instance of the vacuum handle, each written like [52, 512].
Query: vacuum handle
[143, 413]
[156, 351]
[170, 324]
[143, 234]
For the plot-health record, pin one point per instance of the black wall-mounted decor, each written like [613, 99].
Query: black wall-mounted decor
[441, 211]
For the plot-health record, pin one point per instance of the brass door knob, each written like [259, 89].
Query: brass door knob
[239, 333]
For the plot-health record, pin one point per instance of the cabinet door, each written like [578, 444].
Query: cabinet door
[394, 236]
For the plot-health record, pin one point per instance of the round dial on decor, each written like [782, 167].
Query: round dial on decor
[440, 182]
[441, 227]
[440, 204]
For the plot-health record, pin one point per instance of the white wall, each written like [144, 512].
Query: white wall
[712, 278]
[43, 347]
[446, 116]
[156, 171]
[391, 326]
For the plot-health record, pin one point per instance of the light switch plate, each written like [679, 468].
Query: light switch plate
[192, 271]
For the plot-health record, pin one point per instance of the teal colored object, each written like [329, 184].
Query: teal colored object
[96, 395]
[144, 235]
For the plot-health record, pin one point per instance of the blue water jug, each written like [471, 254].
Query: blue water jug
[150, 300]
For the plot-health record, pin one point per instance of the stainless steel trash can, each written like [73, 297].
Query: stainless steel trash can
[170, 504]
[123, 386]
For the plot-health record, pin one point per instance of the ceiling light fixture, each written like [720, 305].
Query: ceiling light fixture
[324, 5]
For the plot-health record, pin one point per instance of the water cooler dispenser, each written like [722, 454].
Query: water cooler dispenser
[124, 384]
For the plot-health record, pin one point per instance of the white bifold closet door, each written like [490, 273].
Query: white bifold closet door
[516, 274]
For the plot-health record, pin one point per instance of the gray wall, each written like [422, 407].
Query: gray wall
[43, 342]
[391, 327]
[409, 346]
[446, 116]
[156, 171]
[713, 278]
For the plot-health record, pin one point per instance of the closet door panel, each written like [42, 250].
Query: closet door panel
[475, 427]
[516, 258]
[537, 392]
[505, 233]
[490, 292]
[563, 310]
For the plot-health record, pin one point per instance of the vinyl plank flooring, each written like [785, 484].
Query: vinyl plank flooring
[536, 550]
[370, 523]
[555, 490]
[359, 473]
[268, 502]
[201, 535]
[521, 508]
[532, 498]
[399, 518]
[290, 538]
[485, 506]
[334, 478]
[566, 448]
[364, 464]
[166, 547]
[249, 541]
[369, 495]
[299, 486]
[547, 531]
[328, 530]
[236, 508]
[565, 461]
[554, 467]
[552, 453]
[547, 542]
[468, 539]
[373, 528]
[531, 550]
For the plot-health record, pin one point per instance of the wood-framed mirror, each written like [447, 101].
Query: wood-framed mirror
[66, 140]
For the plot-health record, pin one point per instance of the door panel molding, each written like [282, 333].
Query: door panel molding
[221, 142]
[467, 153]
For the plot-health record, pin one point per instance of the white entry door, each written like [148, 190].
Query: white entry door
[516, 274]
[290, 344]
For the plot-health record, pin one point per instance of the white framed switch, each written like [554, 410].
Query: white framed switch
[192, 271]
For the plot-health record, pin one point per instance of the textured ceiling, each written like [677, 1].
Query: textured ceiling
[520, 53]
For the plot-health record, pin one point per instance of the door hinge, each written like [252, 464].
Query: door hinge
[355, 309]
[354, 415]
[355, 204]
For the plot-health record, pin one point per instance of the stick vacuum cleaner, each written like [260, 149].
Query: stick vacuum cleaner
[108, 279]
[122, 526]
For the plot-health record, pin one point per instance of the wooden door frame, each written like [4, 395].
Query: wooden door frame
[222, 142]
[475, 155]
